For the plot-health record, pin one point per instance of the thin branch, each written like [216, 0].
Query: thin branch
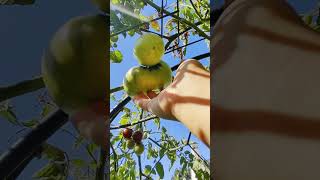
[115, 157]
[21, 88]
[146, 30]
[141, 24]
[116, 89]
[205, 162]
[201, 33]
[140, 168]
[185, 45]
[156, 163]
[91, 155]
[155, 142]
[101, 165]
[189, 137]
[175, 36]
[132, 124]
[195, 9]
[115, 111]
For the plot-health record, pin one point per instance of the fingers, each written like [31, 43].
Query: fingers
[142, 101]
[188, 64]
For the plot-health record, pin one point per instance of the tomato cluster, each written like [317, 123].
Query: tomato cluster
[134, 140]
[153, 73]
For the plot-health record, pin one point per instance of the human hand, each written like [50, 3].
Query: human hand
[163, 105]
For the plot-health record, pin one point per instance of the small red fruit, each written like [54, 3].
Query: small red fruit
[137, 136]
[127, 133]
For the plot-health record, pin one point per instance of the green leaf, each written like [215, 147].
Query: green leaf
[92, 147]
[116, 56]
[9, 115]
[30, 123]
[50, 171]
[160, 170]
[53, 153]
[124, 120]
[157, 122]
[46, 110]
[147, 169]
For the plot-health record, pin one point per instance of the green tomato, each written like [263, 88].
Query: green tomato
[130, 144]
[138, 149]
[149, 49]
[143, 79]
[75, 67]
[104, 5]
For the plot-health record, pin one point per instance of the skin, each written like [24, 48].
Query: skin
[183, 100]
[266, 93]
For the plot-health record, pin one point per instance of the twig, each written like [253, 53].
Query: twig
[101, 165]
[175, 36]
[141, 24]
[146, 30]
[21, 88]
[140, 169]
[115, 157]
[115, 111]
[205, 162]
[116, 89]
[201, 33]
[185, 45]
[195, 9]
[132, 124]
[91, 155]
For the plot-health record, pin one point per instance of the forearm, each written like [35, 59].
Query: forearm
[192, 107]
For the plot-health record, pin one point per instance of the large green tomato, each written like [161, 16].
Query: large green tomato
[149, 49]
[138, 149]
[104, 5]
[143, 79]
[75, 67]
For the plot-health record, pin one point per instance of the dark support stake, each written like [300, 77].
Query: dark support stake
[13, 161]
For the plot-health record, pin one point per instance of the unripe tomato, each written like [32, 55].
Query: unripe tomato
[130, 144]
[143, 79]
[127, 133]
[138, 149]
[137, 136]
[104, 5]
[149, 49]
[75, 67]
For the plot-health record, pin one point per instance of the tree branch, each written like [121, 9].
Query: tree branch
[132, 124]
[101, 165]
[195, 9]
[116, 89]
[201, 33]
[205, 162]
[175, 36]
[21, 88]
[185, 45]
[115, 157]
